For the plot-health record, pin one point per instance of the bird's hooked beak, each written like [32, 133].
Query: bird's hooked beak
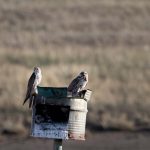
[85, 78]
[84, 75]
[37, 70]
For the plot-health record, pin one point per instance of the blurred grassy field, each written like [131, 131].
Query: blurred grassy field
[109, 39]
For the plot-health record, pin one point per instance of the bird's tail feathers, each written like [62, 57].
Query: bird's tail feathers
[25, 101]
[31, 101]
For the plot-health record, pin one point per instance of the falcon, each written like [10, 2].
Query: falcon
[78, 84]
[33, 82]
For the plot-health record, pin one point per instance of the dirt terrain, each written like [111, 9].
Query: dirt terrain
[101, 141]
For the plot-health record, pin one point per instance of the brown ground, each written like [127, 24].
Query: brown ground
[101, 141]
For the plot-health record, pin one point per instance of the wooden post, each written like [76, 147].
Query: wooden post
[57, 144]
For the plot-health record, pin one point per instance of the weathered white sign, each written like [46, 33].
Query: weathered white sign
[50, 130]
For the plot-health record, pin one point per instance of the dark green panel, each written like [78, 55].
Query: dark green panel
[52, 92]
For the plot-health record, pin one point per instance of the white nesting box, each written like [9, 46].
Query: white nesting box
[59, 116]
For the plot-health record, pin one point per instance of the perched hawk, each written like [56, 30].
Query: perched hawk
[78, 84]
[33, 82]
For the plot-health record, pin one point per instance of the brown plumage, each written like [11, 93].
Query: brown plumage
[33, 82]
[78, 84]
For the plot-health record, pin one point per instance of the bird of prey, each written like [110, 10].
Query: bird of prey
[78, 84]
[33, 82]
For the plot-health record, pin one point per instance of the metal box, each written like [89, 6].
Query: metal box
[59, 116]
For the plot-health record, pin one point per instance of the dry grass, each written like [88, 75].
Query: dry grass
[109, 39]
[41, 24]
